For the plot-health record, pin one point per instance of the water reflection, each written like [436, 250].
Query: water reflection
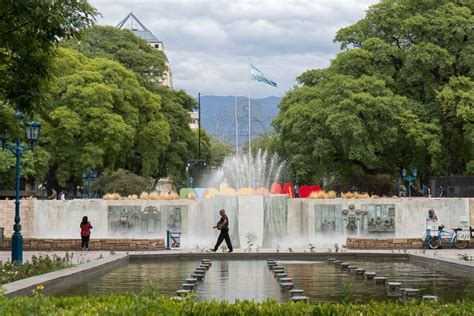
[251, 279]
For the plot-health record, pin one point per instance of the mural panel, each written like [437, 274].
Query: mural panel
[380, 218]
[174, 218]
[132, 219]
[328, 218]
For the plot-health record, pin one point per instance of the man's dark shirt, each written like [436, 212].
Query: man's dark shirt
[226, 225]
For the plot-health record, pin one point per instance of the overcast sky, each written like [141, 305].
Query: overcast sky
[209, 43]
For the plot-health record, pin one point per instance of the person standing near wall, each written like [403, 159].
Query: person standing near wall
[85, 233]
[443, 191]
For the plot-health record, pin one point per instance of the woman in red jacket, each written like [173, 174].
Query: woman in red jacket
[85, 233]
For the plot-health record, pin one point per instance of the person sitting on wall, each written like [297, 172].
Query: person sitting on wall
[431, 223]
[54, 195]
[432, 215]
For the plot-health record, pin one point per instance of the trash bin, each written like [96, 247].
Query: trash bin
[1, 234]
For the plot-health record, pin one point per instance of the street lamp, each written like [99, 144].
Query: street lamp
[189, 165]
[409, 178]
[32, 134]
[89, 174]
[297, 188]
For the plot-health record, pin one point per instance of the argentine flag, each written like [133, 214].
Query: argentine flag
[257, 75]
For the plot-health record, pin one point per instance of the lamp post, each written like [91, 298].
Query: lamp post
[409, 178]
[192, 162]
[16, 148]
[89, 174]
[297, 188]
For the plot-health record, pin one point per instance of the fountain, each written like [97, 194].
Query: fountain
[262, 215]
[236, 170]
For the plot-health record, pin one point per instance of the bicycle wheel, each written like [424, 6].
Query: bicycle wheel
[434, 243]
[460, 244]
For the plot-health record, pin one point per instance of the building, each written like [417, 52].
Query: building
[132, 23]
[194, 120]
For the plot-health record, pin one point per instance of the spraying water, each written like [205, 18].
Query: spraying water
[238, 172]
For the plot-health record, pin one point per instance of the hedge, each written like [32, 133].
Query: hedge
[150, 304]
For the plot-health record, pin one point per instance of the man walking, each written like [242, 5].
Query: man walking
[223, 226]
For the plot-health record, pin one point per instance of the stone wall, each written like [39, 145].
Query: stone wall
[389, 243]
[45, 219]
[7, 216]
[384, 243]
[95, 244]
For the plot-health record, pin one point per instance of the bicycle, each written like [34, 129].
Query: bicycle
[458, 237]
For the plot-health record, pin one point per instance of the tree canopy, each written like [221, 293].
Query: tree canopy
[29, 31]
[101, 118]
[400, 95]
[105, 110]
[123, 46]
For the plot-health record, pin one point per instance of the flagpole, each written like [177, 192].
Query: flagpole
[236, 128]
[250, 139]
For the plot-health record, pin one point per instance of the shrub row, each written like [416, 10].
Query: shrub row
[155, 305]
[10, 272]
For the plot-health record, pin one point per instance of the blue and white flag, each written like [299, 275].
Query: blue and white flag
[257, 75]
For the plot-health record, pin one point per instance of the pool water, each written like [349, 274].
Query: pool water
[251, 279]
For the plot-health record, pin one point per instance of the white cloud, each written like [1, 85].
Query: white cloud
[209, 42]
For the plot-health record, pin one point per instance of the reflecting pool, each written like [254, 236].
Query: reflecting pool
[251, 279]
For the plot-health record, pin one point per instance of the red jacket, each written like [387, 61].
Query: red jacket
[86, 229]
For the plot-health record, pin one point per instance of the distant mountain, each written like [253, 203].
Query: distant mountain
[218, 116]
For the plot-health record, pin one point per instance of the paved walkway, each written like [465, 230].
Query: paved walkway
[82, 257]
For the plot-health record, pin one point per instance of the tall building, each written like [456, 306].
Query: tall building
[132, 23]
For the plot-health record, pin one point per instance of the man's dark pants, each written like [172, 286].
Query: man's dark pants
[223, 235]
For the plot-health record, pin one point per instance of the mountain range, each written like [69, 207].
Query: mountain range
[218, 116]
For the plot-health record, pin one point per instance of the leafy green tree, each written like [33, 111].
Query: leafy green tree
[219, 150]
[268, 142]
[124, 47]
[124, 183]
[29, 31]
[457, 115]
[399, 96]
[419, 46]
[100, 118]
[148, 64]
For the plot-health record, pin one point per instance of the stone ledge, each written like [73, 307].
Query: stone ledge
[94, 244]
[55, 281]
[389, 243]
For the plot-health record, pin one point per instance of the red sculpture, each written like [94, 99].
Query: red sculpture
[304, 191]
[276, 188]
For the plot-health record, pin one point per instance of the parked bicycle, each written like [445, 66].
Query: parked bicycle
[458, 237]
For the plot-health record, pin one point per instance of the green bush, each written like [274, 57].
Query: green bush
[149, 304]
[10, 272]
[126, 183]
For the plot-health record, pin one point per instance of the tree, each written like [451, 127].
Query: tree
[379, 106]
[124, 183]
[100, 118]
[124, 47]
[219, 150]
[148, 64]
[29, 31]
[266, 142]
[419, 47]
